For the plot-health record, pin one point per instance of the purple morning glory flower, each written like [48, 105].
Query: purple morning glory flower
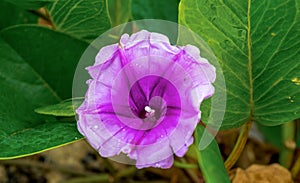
[143, 99]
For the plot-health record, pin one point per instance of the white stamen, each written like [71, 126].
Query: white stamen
[149, 111]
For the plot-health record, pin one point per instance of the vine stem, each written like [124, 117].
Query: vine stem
[101, 178]
[286, 155]
[239, 146]
[296, 167]
[184, 165]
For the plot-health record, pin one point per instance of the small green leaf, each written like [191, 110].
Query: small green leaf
[30, 4]
[83, 19]
[65, 108]
[210, 160]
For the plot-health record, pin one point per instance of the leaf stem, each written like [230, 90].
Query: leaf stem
[239, 146]
[95, 178]
[296, 167]
[288, 135]
[184, 165]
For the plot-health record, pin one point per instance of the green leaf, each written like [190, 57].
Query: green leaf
[210, 160]
[257, 46]
[65, 108]
[84, 19]
[52, 57]
[22, 131]
[36, 139]
[37, 68]
[13, 15]
[149, 9]
[119, 11]
[30, 4]
[52, 54]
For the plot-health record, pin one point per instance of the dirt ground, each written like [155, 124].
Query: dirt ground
[79, 163]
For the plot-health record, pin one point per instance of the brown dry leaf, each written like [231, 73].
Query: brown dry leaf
[263, 174]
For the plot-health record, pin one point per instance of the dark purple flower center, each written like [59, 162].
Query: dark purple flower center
[151, 97]
[148, 112]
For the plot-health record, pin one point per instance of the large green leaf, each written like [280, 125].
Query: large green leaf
[22, 131]
[48, 59]
[52, 54]
[210, 160]
[84, 19]
[149, 9]
[257, 45]
[119, 11]
[12, 15]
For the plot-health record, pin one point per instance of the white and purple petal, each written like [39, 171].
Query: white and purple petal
[144, 97]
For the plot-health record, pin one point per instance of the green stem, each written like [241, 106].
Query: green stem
[239, 146]
[296, 168]
[288, 138]
[184, 165]
[96, 178]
